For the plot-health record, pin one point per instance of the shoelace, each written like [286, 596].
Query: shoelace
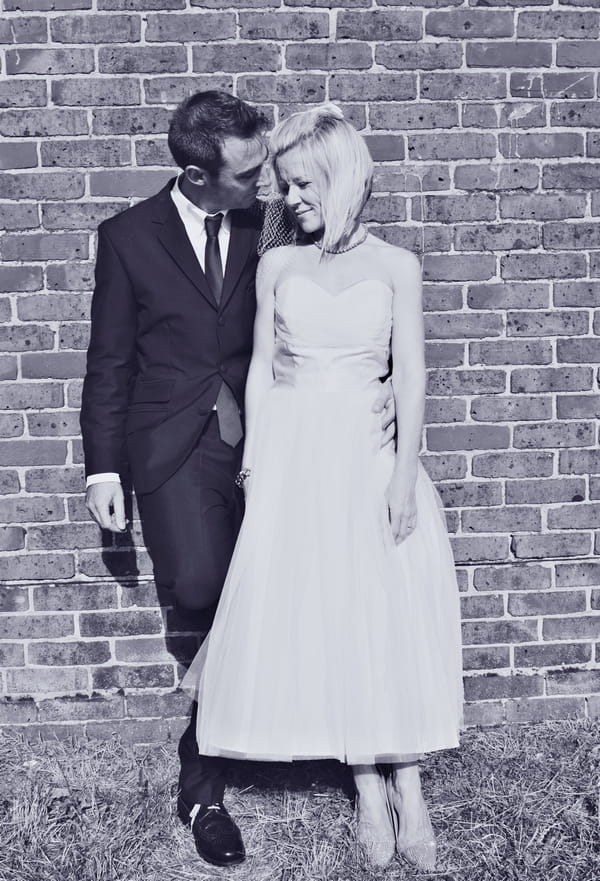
[196, 808]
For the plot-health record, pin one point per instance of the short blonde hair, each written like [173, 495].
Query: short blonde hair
[338, 160]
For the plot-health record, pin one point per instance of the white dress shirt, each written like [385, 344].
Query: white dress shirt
[193, 220]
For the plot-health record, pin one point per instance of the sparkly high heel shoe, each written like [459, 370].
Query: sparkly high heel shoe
[376, 844]
[420, 853]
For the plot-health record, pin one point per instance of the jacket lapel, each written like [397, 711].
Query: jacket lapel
[242, 244]
[173, 237]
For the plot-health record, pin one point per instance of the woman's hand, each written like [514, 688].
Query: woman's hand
[402, 503]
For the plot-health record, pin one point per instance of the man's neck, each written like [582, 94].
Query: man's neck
[195, 195]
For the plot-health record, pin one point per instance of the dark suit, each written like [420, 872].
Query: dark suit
[160, 349]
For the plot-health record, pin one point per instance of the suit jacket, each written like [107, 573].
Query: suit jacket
[160, 345]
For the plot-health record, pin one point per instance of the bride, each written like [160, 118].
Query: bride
[338, 633]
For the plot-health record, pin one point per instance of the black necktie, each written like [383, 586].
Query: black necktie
[213, 268]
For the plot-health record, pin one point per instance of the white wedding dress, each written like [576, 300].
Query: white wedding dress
[330, 641]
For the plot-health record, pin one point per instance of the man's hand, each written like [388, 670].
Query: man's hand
[106, 504]
[385, 405]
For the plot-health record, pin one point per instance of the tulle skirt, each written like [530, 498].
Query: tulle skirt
[330, 641]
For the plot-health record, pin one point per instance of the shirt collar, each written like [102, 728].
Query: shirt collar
[187, 208]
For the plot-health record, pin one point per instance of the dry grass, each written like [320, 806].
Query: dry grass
[520, 803]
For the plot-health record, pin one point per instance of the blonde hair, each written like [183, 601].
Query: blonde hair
[338, 160]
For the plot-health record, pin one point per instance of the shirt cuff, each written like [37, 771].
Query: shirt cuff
[104, 477]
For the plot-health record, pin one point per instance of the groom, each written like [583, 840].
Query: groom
[171, 339]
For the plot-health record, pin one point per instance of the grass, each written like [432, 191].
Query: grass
[513, 803]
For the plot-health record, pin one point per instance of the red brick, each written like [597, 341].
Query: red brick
[544, 492]
[543, 434]
[19, 216]
[552, 379]
[86, 153]
[460, 267]
[470, 86]
[80, 216]
[579, 516]
[571, 176]
[12, 538]
[444, 410]
[510, 352]
[450, 325]
[22, 93]
[414, 179]
[25, 395]
[577, 293]
[542, 206]
[517, 576]
[573, 682]
[542, 709]
[285, 26]
[467, 437]
[74, 336]
[71, 277]
[540, 547]
[498, 632]
[484, 714]
[478, 606]
[578, 627]
[486, 658]
[68, 709]
[547, 324]
[536, 145]
[476, 549]
[66, 536]
[543, 266]
[51, 5]
[12, 655]
[552, 85]
[552, 654]
[153, 151]
[126, 183]
[385, 147]
[461, 382]
[509, 54]
[120, 623]
[420, 56]
[55, 365]
[410, 116]
[282, 87]
[51, 185]
[95, 29]
[195, 28]
[21, 338]
[13, 599]
[142, 5]
[578, 53]
[39, 680]
[496, 237]
[513, 115]
[578, 406]
[582, 351]
[44, 246]
[68, 654]
[36, 626]
[509, 519]
[442, 298]
[74, 597]
[54, 480]
[579, 461]
[445, 467]
[89, 92]
[494, 177]
[142, 59]
[27, 29]
[452, 145]
[18, 154]
[450, 209]
[138, 676]
[8, 370]
[554, 24]
[49, 61]
[11, 425]
[492, 686]
[173, 89]
[379, 25]
[469, 24]
[547, 603]
[518, 464]
[158, 705]
[572, 235]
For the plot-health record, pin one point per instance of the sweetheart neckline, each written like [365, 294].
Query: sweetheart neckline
[333, 293]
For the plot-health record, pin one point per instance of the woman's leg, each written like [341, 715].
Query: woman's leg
[415, 836]
[374, 829]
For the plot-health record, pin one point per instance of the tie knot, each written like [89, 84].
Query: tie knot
[212, 224]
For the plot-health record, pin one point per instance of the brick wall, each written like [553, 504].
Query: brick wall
[484, 120]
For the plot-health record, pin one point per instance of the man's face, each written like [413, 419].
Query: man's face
[236, 184]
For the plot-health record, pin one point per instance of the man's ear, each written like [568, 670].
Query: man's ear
[196, 175]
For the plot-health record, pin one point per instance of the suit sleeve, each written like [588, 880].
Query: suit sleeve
[111, 362]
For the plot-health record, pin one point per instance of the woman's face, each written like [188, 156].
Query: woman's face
[299, 191]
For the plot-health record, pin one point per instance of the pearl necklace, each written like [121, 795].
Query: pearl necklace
[347, 248]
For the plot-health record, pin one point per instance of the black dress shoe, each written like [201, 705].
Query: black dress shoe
[218, 840]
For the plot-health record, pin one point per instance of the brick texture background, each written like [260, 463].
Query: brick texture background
[484, 120]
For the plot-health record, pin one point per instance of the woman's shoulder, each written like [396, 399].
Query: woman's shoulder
[394, 253]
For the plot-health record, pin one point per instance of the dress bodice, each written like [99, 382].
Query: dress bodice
[330, 341]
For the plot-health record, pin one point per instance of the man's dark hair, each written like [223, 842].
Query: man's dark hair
[201, 123]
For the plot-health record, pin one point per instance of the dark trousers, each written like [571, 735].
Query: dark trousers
[190, 525]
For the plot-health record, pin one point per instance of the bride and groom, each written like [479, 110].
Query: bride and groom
[336, 633]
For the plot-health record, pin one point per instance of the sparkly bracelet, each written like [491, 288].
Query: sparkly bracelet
[242, 477]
